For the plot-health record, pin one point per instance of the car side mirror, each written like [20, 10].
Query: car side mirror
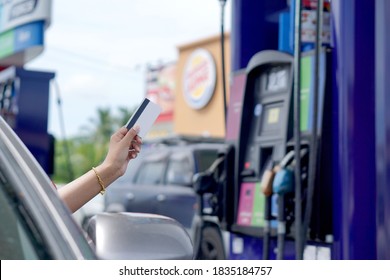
[206, 182]
[138, 236]
[203, 182]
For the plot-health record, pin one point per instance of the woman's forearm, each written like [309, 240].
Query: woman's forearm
[83, 189]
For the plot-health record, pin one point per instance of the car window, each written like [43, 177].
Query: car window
[16, 241]
[150, 173]
[179, 170]
[205, 158]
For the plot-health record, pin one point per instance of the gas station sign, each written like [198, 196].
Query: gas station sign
[22, 26]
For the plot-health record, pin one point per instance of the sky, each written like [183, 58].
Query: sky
[99, 49]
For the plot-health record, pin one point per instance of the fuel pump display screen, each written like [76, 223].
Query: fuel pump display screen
[271, 122]
[277, 79]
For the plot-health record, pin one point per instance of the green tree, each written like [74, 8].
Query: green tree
[62, 168]
[104, 125]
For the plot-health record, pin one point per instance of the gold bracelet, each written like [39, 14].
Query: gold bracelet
[103, 190]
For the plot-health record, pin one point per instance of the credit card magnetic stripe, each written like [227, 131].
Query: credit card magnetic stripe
[138, 113]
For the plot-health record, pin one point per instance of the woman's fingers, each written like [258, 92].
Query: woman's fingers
[133, 142]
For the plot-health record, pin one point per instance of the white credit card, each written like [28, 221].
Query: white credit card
[145, 116]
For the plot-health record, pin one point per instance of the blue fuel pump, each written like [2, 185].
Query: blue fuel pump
[24, 99]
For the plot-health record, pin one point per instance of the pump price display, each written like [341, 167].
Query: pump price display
[277, 80]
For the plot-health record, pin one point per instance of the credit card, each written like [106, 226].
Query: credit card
[145, 116]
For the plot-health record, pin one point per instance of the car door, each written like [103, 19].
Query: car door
[176, 197]
[142, 194]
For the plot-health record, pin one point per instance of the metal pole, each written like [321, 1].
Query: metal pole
[62, 125]
[223, 2]
[297, 130]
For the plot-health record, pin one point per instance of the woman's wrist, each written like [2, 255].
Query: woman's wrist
[108, 172]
